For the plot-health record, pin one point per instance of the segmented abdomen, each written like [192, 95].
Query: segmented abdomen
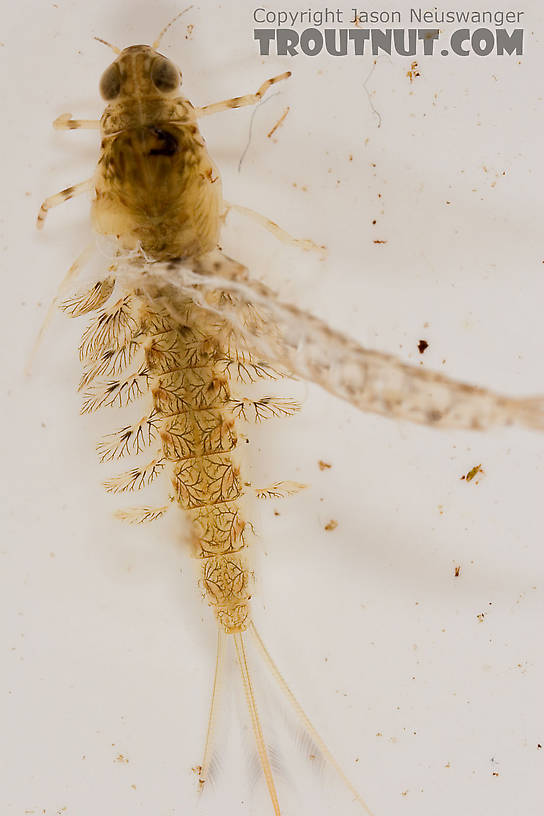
[138, 351]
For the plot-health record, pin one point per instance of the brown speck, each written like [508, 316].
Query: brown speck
[121, 758]
[190, 29]
[481, 617]
[374, 222]
[457, 571]
[422, 346]
[380, 242]
[276, 513]
[331, 525]
[472, 473]
[278, 123]
[323, 465]
[350, 157]
[413, 73]
[495, 773]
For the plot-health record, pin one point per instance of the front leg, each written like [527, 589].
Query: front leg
[65, 122]
[241, 101]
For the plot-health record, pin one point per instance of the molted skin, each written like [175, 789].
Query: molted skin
[156, 187]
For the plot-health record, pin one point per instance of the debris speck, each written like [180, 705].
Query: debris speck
[472, 473]
[278, 123]
[481, 617]
[422, 346]
[323, 465]
[331, 525]
[457, 571]
[414, 72]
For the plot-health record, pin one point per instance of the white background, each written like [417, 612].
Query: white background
[108, 649]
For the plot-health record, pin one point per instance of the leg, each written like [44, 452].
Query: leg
[241, 101]
[65, 122]
[64, 195]
[277, 231]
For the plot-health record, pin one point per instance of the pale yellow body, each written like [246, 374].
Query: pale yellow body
[158, 193]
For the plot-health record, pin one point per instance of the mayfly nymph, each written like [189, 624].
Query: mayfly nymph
[178, 324]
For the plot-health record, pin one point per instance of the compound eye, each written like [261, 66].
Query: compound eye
[110, 84]
[164, 75]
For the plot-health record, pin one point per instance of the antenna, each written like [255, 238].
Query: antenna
[166, 27]
[105, 42]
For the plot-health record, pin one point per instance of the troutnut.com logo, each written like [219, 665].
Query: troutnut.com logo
[486, 34]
